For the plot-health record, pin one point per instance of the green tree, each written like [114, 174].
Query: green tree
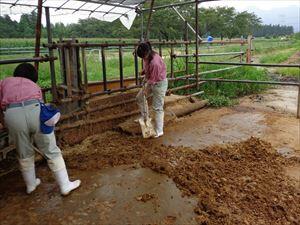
[166, 24]
[27, 25]
[245, 23]
[8, 28]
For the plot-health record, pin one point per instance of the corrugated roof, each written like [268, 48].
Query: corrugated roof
[105, 10]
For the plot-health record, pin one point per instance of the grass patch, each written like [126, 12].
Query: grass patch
[226, 94]
[289, 72]
[220, 101]
[278, 57]
[235, 90]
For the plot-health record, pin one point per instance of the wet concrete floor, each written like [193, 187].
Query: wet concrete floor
[218, 126]
[121, 195]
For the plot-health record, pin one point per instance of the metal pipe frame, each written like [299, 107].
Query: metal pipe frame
[109, 4]
[209, 54]
[298, 108]
[123, 44]
[51, 54]
[96, 109]
[101, 3]
[59, 7]
[79, 7]
[114, 91]
[38, 33]
[185, 87]
[21, 60]
[186, 77]
[172, 61]
[186, 22]
[252, 82]
[134, 44]
[98, 120]
[84, 67]
[121, 67]
[62, 8]
[136, 68]
[249, 64]
[170, 5]
[100, 93]
[104, 68]
[186, 37]
[149, 20]
[197, 43]
[114, 7]
[177, 4]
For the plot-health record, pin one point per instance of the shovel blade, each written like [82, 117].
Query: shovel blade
[147, 128]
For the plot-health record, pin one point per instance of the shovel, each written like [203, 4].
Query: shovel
[147, 127]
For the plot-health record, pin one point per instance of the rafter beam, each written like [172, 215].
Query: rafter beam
[62, 5]
[63, 8]
[96, 8]
[178, 4]
[14, 4]
[113, 8]
[109, 4]
[76, 10]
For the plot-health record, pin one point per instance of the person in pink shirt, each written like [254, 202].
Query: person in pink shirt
[156, 84]
[20, 99]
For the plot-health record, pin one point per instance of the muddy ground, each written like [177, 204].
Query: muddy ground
[207, 169]
[237, 165]
[243, 183]
[256, 115]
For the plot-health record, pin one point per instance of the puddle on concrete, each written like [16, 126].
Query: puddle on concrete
[200, 131]
[278, 99]
[109, 196]
[282, 99]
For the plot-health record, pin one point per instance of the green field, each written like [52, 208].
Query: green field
[266, 50]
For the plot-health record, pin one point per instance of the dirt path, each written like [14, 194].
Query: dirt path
[294, 59]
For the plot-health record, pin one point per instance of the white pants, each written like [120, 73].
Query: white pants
[23, 124]
[158, 93]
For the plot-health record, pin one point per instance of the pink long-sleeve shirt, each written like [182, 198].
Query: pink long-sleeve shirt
[156, 70]
[18, 89]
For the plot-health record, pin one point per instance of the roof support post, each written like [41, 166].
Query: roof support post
[38, 32]
[298, 105]
[197, 44]
[149, 20]
[51, 54]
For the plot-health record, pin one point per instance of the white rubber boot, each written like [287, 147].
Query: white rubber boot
[59, 169]
[65, 185]
[159, 124]
[28, 173]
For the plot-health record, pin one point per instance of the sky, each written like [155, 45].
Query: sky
[242, 5]
[284, 12]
